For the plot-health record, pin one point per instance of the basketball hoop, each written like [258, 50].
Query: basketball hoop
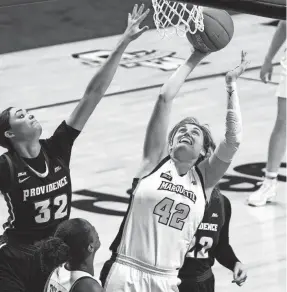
[172, 17]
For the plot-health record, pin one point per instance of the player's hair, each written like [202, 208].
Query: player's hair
[5, 126]
[207, 138]
[69, 244]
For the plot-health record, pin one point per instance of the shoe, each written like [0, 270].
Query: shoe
[265, 194]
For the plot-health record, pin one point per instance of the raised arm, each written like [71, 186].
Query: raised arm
[156, 133]
[103, 78]
[276, 43]
[214, 167]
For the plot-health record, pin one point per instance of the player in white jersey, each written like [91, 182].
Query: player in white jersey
[170, 191]
[277, 143]
[68, 257]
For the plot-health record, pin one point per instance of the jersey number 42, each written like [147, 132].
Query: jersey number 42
[166, 217]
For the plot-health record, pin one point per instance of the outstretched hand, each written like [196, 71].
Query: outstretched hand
[232, 75]
[133, 31]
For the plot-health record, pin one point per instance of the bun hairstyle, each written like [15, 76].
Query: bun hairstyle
[53, 253]
[69, 244]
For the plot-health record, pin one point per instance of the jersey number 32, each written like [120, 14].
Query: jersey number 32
[45, 212]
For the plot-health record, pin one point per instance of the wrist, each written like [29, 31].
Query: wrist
[268, 59]
[235, 263]
[124, 41]
[230, 85]
[197, 55]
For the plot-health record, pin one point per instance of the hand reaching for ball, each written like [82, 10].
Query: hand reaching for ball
[232, 75]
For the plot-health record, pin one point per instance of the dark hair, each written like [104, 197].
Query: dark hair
[207, 138]
[5, 126]
[69, 244]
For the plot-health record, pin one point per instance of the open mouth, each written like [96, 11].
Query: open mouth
[186, 140]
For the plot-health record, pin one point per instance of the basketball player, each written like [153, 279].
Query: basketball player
[69, 256]
[277, 143]
[211, 242]
[34, 174]
[170, 191]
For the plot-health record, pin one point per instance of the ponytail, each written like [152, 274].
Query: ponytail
[52, 253]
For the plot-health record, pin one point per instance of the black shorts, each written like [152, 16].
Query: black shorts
[20, 268]
[188, 285]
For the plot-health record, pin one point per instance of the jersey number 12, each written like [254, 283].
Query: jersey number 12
[200, 248]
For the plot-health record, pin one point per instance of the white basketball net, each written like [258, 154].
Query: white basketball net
[177, 16]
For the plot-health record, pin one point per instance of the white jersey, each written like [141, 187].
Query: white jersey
[164, 213]
[63, 280]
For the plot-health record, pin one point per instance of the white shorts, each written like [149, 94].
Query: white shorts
[125, 278]
[281, 89]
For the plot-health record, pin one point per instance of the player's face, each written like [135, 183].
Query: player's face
[187, 142]
[23, 125]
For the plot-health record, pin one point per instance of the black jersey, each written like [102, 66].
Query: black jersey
[38, 201]
[211, 240]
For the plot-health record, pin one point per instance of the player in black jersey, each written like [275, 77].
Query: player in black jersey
[211, 242]
[34, 173]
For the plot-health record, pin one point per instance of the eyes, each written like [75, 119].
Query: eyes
[182, 130]
[21, 115]
[193, 132]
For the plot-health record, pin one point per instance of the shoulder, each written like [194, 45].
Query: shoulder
[222, 200]
[66, 131]
[226, 207]
[226, 202]
[87, 284]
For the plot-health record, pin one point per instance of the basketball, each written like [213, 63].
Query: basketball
[218, 31]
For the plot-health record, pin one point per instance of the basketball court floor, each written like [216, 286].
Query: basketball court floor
[49, 81]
